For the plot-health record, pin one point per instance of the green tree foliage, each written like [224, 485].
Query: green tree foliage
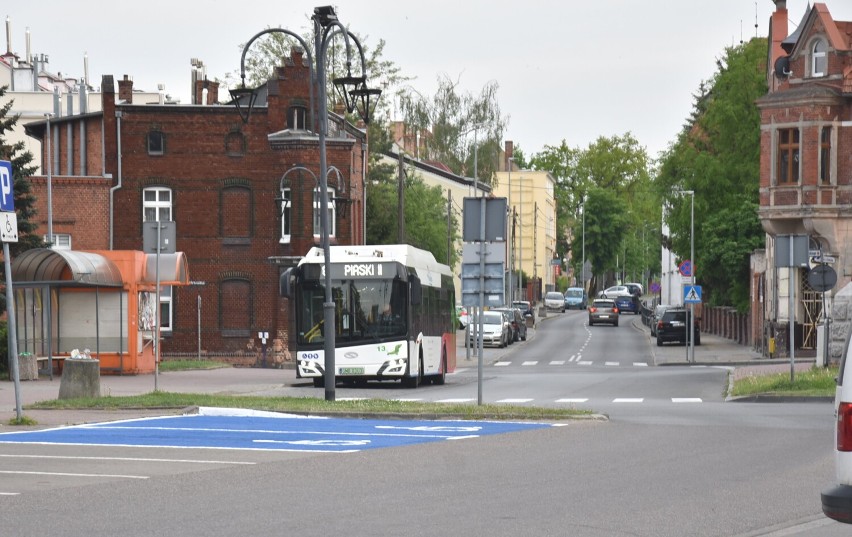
[456, 126]
[425, 216]
[606, 226]
[22, 169]
[717, 156]
[620, 166]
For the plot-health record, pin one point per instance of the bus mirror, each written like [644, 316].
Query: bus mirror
[416, 291]
[284, 288]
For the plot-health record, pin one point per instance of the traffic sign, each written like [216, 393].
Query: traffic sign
[685, 268]
[822, 278]
[692, 294]
[7, 187]
[8, 227]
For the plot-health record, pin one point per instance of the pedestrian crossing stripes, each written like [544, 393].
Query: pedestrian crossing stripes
[565, 400]
[574, 360]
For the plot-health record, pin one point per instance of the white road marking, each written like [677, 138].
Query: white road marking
[640, 364]
[499, 364]
[584, 363]
[129, 459]
[612, 364]
[65, 474]
[686, 400]
[530, 362]
[454, 400]
[557, 362]
[579, 400]
[514, 400]
[628, 400]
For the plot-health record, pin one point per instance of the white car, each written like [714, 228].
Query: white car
[614, 291]
[837, 501]
[554, 300]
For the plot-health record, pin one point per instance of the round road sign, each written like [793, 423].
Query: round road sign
[822, 278]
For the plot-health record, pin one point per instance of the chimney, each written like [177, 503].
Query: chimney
[777, 33]
[509, 152]
[212, 92]
[125, 89]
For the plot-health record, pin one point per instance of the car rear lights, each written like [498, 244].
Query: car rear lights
[615, 310]
[592, 309]
[844, 427]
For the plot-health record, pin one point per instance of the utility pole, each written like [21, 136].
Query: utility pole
[400, 217]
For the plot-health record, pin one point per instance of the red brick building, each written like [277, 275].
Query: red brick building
[805, 161]
[243, 207]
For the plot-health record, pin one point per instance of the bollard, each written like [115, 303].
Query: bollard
[81, 377]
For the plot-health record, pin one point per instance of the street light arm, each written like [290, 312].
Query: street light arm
[294, 35]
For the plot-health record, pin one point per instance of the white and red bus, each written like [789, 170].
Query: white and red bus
[393, 315]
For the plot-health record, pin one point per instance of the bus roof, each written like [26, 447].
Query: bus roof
[422, 261]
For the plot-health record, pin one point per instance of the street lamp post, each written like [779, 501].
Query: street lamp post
[690, 336]
[357, 96]
[511, 236]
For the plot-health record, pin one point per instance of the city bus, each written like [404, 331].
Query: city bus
[393, 314]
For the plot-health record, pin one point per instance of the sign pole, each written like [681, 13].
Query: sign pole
[13, 338]
[9, 233]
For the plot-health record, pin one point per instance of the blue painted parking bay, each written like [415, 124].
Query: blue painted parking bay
[265, 433]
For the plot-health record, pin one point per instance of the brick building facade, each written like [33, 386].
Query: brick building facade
[805, 163]
[242, 196]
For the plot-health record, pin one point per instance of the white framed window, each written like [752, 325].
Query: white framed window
[157, 207]
[286, 215]
[819, 62]
[61, 241]
[157, 204]
[331, 212]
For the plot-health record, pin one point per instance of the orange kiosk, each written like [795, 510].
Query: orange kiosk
[103, 301]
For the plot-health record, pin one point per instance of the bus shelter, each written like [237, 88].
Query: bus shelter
[101, 301]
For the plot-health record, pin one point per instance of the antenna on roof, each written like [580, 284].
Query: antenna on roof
[741, 31]
[755, 19]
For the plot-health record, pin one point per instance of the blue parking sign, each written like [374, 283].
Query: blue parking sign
[7, 190]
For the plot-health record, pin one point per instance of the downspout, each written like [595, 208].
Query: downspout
[118, 184]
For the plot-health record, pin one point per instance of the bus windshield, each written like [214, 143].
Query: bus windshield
[364, 309]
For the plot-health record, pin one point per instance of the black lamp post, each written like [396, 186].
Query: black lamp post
[326, 27]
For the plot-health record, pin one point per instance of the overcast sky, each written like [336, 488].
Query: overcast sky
[565, 69]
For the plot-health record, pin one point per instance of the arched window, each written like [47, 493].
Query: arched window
[297, 118]
[819, 62]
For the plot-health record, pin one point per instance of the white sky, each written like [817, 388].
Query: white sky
[566, 69]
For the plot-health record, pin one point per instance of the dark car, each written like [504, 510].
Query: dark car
[603, 310]
[525, 307]
[519, 324]
[672, 326]
[627, 304]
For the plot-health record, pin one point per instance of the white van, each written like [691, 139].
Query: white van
[837, 501]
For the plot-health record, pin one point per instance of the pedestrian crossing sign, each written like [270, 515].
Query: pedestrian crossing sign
[692, 294]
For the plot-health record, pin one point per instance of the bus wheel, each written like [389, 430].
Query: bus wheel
[319, 382]
[441, 377]
[413, 382]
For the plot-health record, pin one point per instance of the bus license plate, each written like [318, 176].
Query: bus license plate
[351, 371]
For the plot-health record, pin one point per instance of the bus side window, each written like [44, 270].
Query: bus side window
[416, 291]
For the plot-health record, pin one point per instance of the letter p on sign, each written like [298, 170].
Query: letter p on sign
[7, 191]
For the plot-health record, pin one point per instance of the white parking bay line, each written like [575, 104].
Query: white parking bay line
[686, 400]
[530, 362]
[584, 363]
[612, 364]
[514, 400]
[640, 364]
[500, 364]
[628, 400]
[557, 362]
[67, 474]
[578, 400]
[10, 493]
[455, 400]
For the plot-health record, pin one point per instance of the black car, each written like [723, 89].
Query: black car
[672, 326]
[519, 324]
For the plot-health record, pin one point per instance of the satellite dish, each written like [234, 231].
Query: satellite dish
[782, 67]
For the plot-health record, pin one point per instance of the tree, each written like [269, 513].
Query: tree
[459, 127]
[717, 156]
[606, 229]
[22, 168]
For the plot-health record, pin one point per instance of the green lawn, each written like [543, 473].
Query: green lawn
[816, 382]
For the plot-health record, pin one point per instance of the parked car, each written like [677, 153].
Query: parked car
[603, 310]
[837, 500]
[672, 326]
[627, 304]
[495, 329]
[517, 322]
[553, 300]
[614, 291]
[635, 289]
[575, 297]
[526, 308]
[462, 316]
[659, 309]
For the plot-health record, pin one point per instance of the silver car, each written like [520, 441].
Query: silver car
[495, 329]
[554, 300]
